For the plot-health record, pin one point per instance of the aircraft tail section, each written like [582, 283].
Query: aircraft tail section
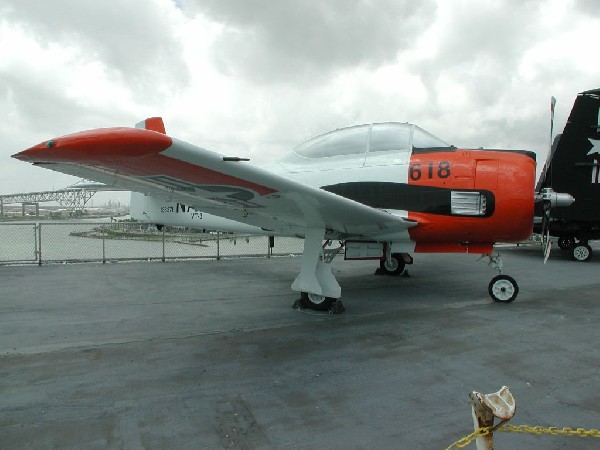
[574, 161]
[145, 208]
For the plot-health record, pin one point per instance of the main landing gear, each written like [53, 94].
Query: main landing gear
[319, 303]
[579, 250]
[566, 242]
[319, 290]
[502, 288]
[315, 301]
[394, 265]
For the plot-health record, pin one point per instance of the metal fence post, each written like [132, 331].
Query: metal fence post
[163, 244]
[39, 236]
[35, 242]
[218, 246]
[103, 245]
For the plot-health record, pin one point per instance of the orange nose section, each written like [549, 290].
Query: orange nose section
[508, 178]
[516, 185]
[96, 146]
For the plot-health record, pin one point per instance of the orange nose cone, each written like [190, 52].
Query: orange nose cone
[95, 146]
[516, 181]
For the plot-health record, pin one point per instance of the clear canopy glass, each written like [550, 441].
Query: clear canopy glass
[375, 138]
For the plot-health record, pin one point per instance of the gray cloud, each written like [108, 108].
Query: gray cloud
[293, 69]
[39, 103]
[307, 41]
[133, 38]
[481, 47]
[588, 7]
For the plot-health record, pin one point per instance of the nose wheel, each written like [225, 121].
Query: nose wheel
[503, 289]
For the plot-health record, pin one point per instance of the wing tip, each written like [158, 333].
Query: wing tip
[152, 124]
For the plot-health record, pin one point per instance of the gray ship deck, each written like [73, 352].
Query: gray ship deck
[210, 354]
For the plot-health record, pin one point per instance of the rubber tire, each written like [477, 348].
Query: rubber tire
[398, 263]
[566, 242]
[311, 301]
[501, 285]
[581, 252]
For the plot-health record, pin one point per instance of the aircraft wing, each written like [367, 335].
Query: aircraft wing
[155, 164]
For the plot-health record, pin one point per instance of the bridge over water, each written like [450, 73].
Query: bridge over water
[72, 197]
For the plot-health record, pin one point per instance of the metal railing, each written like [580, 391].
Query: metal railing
[57, 242]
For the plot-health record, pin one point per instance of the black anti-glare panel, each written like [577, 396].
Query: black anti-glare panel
[386, 195]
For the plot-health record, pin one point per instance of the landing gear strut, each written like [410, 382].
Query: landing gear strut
[318, 288]
[502, 288]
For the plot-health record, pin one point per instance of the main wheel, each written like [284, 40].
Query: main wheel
[581, 252]
[395, 266]
[316, 302]
[566, 242]
[503, 288]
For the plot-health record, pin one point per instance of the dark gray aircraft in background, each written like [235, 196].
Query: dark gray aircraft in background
[573, 166]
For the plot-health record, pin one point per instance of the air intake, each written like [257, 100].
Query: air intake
[468, 203]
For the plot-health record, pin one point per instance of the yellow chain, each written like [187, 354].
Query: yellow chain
[552, 431]
[463, 442]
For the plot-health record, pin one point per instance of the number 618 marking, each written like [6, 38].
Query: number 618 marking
[441, 171]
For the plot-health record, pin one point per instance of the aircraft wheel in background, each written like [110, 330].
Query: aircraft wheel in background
[581, 252]
[503, 288]
[566, 242]
[395, 266]
[316, 302]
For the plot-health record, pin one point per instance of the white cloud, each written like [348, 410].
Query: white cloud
[294, 41]
[256, 77]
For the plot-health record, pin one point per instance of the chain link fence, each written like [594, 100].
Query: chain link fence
[54, 242]
[18, 243]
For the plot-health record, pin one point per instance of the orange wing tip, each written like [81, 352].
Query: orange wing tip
[152, 124]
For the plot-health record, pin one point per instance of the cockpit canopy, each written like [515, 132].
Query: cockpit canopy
[361, 140]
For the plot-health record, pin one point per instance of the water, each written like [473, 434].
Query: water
[20, 242]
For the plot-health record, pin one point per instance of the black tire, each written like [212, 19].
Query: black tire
[396, 267]
[503, 289]
[566, 242]
[581, 252]
[316, 302]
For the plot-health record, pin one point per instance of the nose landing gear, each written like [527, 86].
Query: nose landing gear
[502, 288]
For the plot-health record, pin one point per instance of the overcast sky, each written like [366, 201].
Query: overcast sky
[254, 78]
